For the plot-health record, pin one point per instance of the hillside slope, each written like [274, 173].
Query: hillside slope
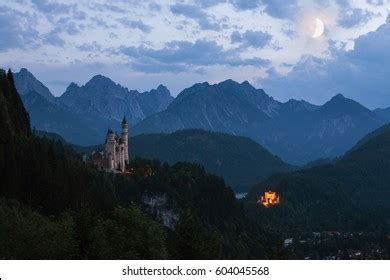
[353, 193]
[239, 160]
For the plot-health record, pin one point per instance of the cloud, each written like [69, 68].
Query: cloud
[181, 56]
[361, 73]
[50, 7]
[376, 2]
[255, 39]
[16, 29]
[204, 20]
[108, 8]
[90, 47]
[53, 38]
[275, 8]
[350, 17]
[136, 24]
[64, 25]
[246, 4]
[154, 7]
[281, 8]
[354, 17]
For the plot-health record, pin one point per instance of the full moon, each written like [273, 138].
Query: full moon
[319, 29]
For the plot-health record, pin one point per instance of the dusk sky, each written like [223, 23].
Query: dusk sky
[141, 44]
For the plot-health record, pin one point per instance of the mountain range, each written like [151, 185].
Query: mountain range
[82, 114]
[296, 131]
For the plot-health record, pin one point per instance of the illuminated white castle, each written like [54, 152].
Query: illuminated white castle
[116, 152]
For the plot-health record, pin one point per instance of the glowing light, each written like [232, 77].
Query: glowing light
[269, 199]
[319, 29]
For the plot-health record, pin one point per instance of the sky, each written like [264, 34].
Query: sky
[141, 44]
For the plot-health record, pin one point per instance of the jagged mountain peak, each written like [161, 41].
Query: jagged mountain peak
[228, 82]
[228, 86]
[25, 71]
[102, 97]
[100, 80]
[246, 83]
[72, 86]
[339, 96]
[161, 90]
[300, 105]
[26, 82]
[231, 84]
[342, 104]
[339, 99]
[161, 87]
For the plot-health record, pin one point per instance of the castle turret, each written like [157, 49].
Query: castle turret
[125, 133]
[110, 149]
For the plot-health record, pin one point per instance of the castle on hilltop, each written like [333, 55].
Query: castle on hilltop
[115, 156]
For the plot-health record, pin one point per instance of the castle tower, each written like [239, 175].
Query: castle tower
[121, 160]
[125, 135]
[110, 149]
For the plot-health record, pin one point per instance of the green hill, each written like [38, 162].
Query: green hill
[239, 160]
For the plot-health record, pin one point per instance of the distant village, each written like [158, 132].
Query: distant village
[335, 245]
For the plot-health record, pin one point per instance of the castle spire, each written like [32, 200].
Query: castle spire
[124, 121]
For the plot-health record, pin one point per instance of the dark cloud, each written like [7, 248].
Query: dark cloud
[376, 2]
[181, 56]
[91, 47]
[209, 3]
[196, 13]
[354, 17]
[64, 25]
[53, 38]
[136, 24]
[281, 8]
[107, 7]
[51, 7]
[275, 8]
[154, 7]
[68, 26]
[246, 4]
[351, 17]
[361, 73]
[101, 23]
[250, 38]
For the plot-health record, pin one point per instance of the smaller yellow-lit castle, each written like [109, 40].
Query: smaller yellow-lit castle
[268, 199]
